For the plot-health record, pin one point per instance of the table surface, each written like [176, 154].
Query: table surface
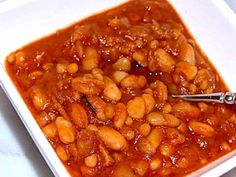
[17, 148]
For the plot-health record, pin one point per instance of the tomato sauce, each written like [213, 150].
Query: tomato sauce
[101, 89]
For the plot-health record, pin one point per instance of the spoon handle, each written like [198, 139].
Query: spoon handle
[221, 97]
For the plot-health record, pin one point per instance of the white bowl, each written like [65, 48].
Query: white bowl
[211, 22]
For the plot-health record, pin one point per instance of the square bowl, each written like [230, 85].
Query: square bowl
[212, 24]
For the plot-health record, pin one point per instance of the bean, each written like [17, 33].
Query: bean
[179, 41]
[120, 115]
[87, 86]
[112, 138]
[118, 76]
[167, 108]
[90, 60]
[35, 75]
[140, 58]
[97, 74]
[232, 119]
[173, 89]
[155, 137]
[160, 92]
[177, 78]
[184, 83]
[72, 68]
[39, 99]
[43, 119]
[162, 61]
[166, 149]
[155, 163]
[187, 70]
[144, 129]
[66, 130]
[225, 146]
[192, 88]
[61, 152]
[203, 85]
[156, 118]
[208, 91]
[133, 81]
[184, 109]
[118, 156]
[92, 127]
[78, 115]
[182, 127]
[19, 57]
[142, 81]
[149, 102]
[129, 121]
[140, 167]
[122, 170]
[136, 108]
[87, 171]
[202, 106]
[50, 130]
[145, 146]
[187, 54]
[130, 81]
[122, 64]
[88, 75]
[154, 44]
[11, 58]
[128, 133]
[111, 90]
[174, 136]
[205, 79]
[171, 120]
[115, 23]
[124, 22]
[109, 111]
[61, 68]
[201, 128]
[148, 91]
[84, 147]
[91, 161]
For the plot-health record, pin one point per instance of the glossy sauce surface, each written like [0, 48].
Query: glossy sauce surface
[101, 92]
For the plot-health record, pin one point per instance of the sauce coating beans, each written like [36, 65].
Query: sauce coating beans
[101, 89]
[112, 138]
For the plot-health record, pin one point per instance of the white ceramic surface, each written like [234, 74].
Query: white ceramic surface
[18, 154]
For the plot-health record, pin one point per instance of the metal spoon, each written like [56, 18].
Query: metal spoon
[221, 97]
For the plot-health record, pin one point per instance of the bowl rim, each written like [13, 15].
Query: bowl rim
[226, 162]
